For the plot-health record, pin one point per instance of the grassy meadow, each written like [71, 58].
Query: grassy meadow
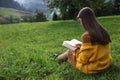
[25, 50]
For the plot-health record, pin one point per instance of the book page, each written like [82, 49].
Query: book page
[71, 44]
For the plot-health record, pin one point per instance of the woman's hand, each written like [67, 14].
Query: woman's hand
[71, 58]
[78, 45]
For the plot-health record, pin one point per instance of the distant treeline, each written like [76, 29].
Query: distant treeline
[11, 4]
[69, 8]
[38, 17]
[30, 17]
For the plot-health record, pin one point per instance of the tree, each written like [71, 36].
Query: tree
[55, 16]
[108, 8]
[70, 8]
[40, 17]
[117, 7]
[66, 7]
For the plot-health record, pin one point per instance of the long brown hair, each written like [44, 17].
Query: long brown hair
[96, 31]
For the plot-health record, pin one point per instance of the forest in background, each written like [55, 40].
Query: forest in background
[70, 8]
[61, 9]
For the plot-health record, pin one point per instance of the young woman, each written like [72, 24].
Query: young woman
[94, 54]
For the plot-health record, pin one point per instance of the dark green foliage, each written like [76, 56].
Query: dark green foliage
[117, 7]
[3, 20]
[108, 9]
[70, 8]
[28, 18]
[9, 20]
[40, 17]
[55, 16]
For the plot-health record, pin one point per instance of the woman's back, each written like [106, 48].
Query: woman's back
[92, 58]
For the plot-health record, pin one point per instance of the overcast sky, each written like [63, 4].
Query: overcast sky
[25, 1]
[20, 1]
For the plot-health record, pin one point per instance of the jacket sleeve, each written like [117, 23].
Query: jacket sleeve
[84, 54]
[85, 51]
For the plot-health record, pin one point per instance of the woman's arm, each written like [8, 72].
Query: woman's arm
[71, 55]
[71, 58]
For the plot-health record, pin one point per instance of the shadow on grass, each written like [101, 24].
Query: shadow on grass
[113, 73]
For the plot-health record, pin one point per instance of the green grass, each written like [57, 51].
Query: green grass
[25, 50]
[7, 12]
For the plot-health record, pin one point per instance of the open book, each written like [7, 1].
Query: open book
[71, 44]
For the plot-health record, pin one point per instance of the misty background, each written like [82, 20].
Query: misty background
[12, 11]
[35, 5]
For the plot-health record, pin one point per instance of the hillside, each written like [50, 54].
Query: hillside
[7, 13]
[11, 4]
[26, 49]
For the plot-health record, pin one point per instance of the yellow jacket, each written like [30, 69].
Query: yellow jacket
[93, 58]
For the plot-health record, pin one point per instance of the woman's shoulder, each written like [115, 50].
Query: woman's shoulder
[86, 38]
